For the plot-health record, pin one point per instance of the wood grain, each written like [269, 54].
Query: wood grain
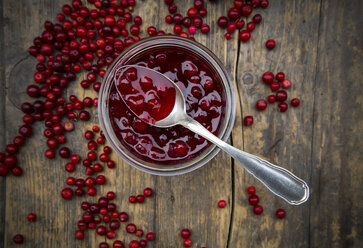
[319, 47]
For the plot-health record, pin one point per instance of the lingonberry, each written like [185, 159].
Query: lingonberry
[110, 234]
[67, 193]
[150, 236]
[257, 18]
[251, 26]
[270, 44]
[143, 243]
[281, 95]
[140, 198]
[286, 83]
[295, 102]
[222, 21]
[251, 190]
[234, 13]
[148, 192]
[79, 234]
[261, 104]
[185, 233]
[131, 228]
[222, 204]
[135, 243]
[246, 9]
[139, 232]
[267, 77]
[257, 209]
[118, 244]
[248, 120]
[271, 98]
[187, 243]
[280, 213]
[274, 86]
[280, 76]
[264, 4]
[124, 217]
[253, 200]
[103, 245]
[101, 230]
[244, 35]
[283, 106]
[18, 239]
[32, 217]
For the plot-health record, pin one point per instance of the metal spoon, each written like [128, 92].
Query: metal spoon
[278, 180]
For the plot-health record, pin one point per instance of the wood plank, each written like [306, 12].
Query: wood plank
[282, 138]
[336, 216]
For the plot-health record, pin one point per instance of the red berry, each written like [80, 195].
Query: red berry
[222, 203]
[67, 193]
[79, 234]
[286, 84]
[140, 198]
[280, 76]
[280, 213]
[132, 199]
[281, 95]
[251, 190]
[32, 217]
[261, 104]
[271, 98]
[283, 106]
[134, 244]
[131, 228]
[268, 77]
[270, 44]
[253, 200]
[187, 243]
[150, 236]
[18, 239]
[295, 102]
[185, 233]
[274, 86]
[222, 21]
[248, 120]
[148, 192]
[257, 209]
[244, 35]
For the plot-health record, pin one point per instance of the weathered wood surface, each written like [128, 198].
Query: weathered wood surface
[319, 47]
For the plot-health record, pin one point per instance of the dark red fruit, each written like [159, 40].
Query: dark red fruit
[261, 104]
[185, 233]
[150, 236]
[222, 204]
[283, 106]
[131, 228]
[271, 98]
[268, 77]
[280, 213]
[295, 102]
[280, 76]
[67, 193]
[251, 190]
[248, 120]
[281, 95]
[253, 200]
[18, 239]
[32, 217]
[222, 21]
[244, 35]
[270, 44]
[148, 192]
[187, 243]
[257, 209]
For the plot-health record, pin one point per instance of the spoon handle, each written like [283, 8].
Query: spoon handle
[278, 180]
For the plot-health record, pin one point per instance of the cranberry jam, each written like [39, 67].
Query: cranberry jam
[205, 103]
[149, 95]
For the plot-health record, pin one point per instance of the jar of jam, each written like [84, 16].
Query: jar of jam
[210, 99]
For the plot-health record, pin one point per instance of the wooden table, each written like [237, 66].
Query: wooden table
[319, 47]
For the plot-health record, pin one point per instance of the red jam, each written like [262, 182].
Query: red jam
[149, 95]
[205, 102]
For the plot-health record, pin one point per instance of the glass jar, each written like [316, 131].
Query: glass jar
[144, 47]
